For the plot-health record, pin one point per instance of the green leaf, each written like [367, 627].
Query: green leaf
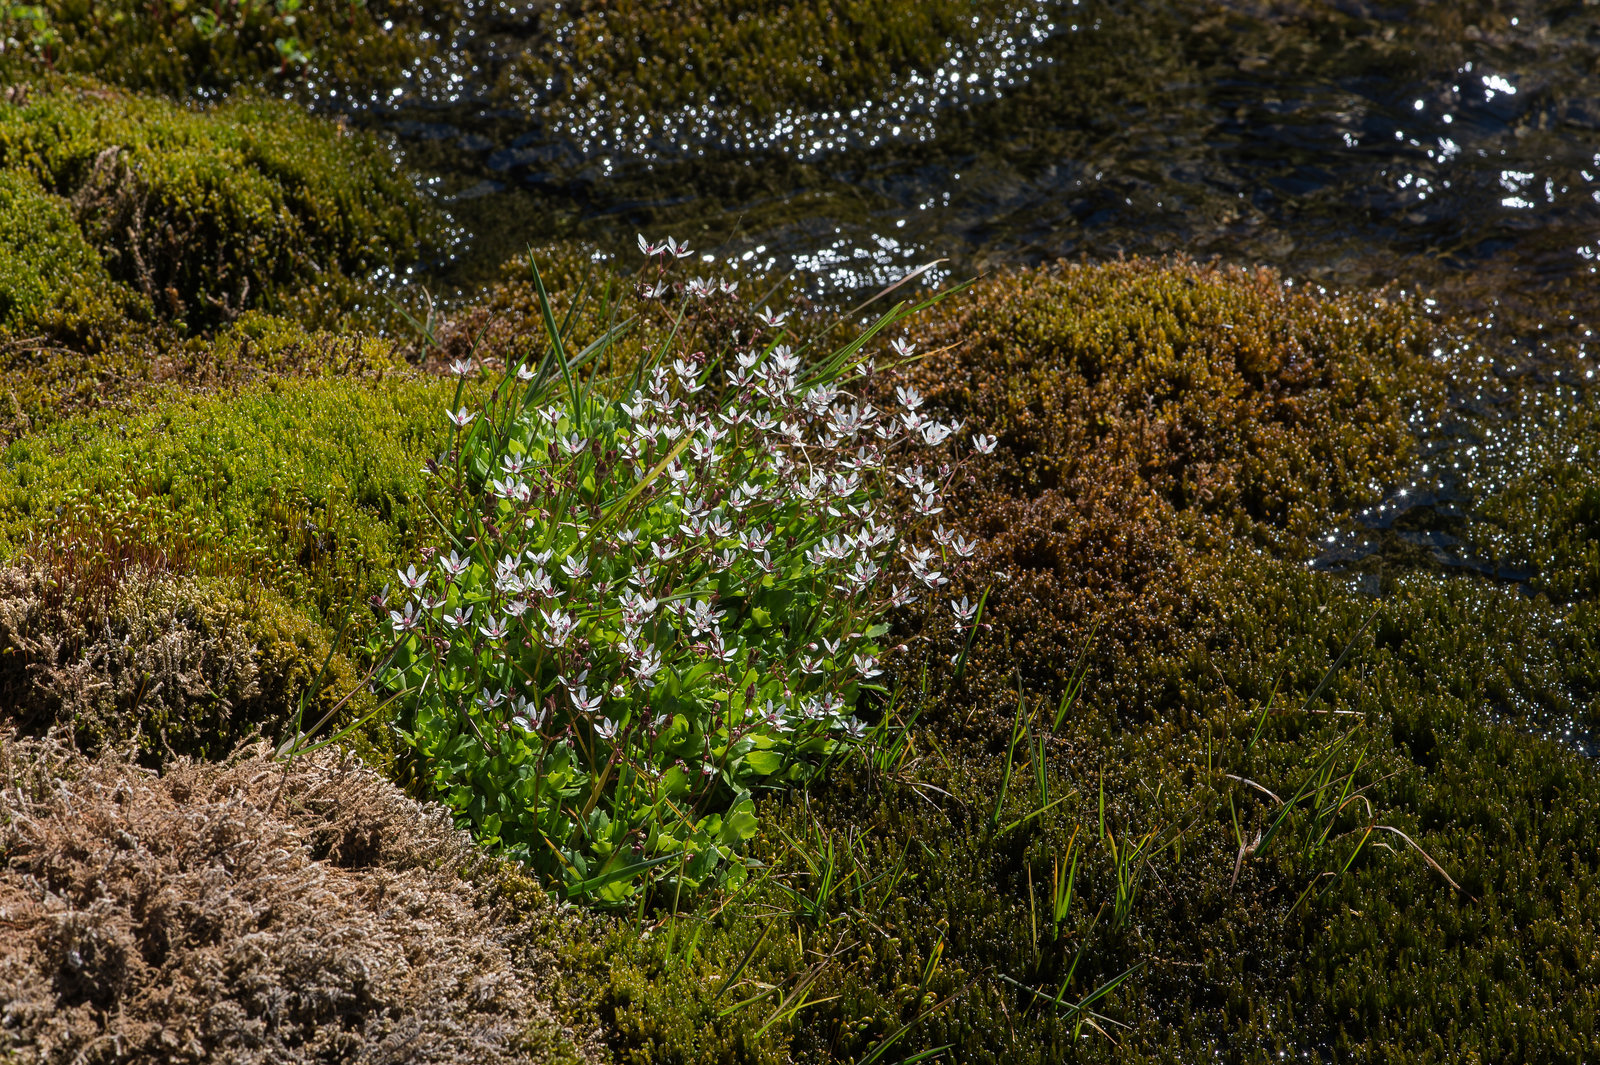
[739, 825]
[764, 763]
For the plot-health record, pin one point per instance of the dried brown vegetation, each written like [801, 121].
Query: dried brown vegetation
[148, 660]
[1147, 413]
[251, 913]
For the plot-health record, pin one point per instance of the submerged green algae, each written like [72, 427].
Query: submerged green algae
[185, 48]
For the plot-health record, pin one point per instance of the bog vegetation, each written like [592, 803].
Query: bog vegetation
[959, 683]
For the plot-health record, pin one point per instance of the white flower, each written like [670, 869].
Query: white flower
[494, 630]
[406, 621]
[904, 349]
[984, 445]
[636, 606]
[776, 719]
[930, 577]
[605, 728]
[461, 418]
[460, 619]
[572, 443]
[681, 251]
[490, 699]
[540, 584]
[455, 565]
[866, 665]
[560, 624]
[577, 681]
[411, 579]
[649, 249]
[461, 367]
[528, 716]
[584, 702]
[719, 650]
[771, 320]
[575, 567]
[647, 665]
[865, 572]
[512, 490]
[935, 433]
[909, 397]
[703, 617]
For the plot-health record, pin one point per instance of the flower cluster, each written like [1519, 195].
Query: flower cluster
[662, 595]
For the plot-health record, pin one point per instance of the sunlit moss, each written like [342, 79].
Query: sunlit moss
[208, 213]
[1147, 413]
[52, 282]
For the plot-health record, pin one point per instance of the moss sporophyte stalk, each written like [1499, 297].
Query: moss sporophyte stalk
[664, 587]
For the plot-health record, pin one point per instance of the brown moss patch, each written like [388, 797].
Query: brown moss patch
[251, 913]
[1146, 412]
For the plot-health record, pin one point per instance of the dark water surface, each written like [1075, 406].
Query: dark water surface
[1454, 147]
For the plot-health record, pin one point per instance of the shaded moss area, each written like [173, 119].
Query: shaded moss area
[1544, 462]
[1354, 826]
[180, 47]
[1382, 961]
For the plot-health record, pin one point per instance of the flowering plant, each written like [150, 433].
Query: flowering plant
[661, 589]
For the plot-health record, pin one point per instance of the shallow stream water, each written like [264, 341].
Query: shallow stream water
[1446, 149]
[1452, 146]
